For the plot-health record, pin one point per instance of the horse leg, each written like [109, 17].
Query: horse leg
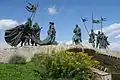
[75, 42]
[32, 42]
[35, 44]
[25, 42]
[93, 44]
[22, 41]
[28, 41]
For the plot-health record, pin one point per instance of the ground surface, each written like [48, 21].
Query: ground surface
[107, 58]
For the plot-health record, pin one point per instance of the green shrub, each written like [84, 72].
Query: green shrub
[17, 59]
[63, 65]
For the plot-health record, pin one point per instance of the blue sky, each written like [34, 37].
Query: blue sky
[66, 14]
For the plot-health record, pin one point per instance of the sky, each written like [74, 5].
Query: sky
[65, 14]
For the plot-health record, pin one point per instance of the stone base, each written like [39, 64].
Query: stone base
[29, 51]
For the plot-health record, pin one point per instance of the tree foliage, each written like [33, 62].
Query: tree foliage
[63, 65]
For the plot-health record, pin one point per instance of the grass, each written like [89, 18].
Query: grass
[17, 72]
[54, 66]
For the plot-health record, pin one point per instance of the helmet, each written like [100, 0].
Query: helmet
[52, 23]
[76, 25]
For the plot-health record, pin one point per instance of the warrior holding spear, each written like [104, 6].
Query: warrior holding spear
[92, 34]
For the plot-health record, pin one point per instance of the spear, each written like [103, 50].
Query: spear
[102, 19]
[92, 21]
[84, 20]
[35, 12]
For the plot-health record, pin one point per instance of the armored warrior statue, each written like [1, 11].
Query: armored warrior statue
[26, 32]
[103, 41]
[92, 38]
[51, 36]
[77, 35]
[36, 32]
[106, 42]
[51, 32]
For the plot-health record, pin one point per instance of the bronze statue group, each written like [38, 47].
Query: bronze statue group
[98, 40]
[30, 33]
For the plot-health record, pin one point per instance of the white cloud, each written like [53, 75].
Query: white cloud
[4, 45]
[112, 27]
[115, 46]
[7, 23]
[52, 10]
[69, 42]
[113, 33]
[112, 30]
[118, 36]
[65, 42]
[85, 43]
